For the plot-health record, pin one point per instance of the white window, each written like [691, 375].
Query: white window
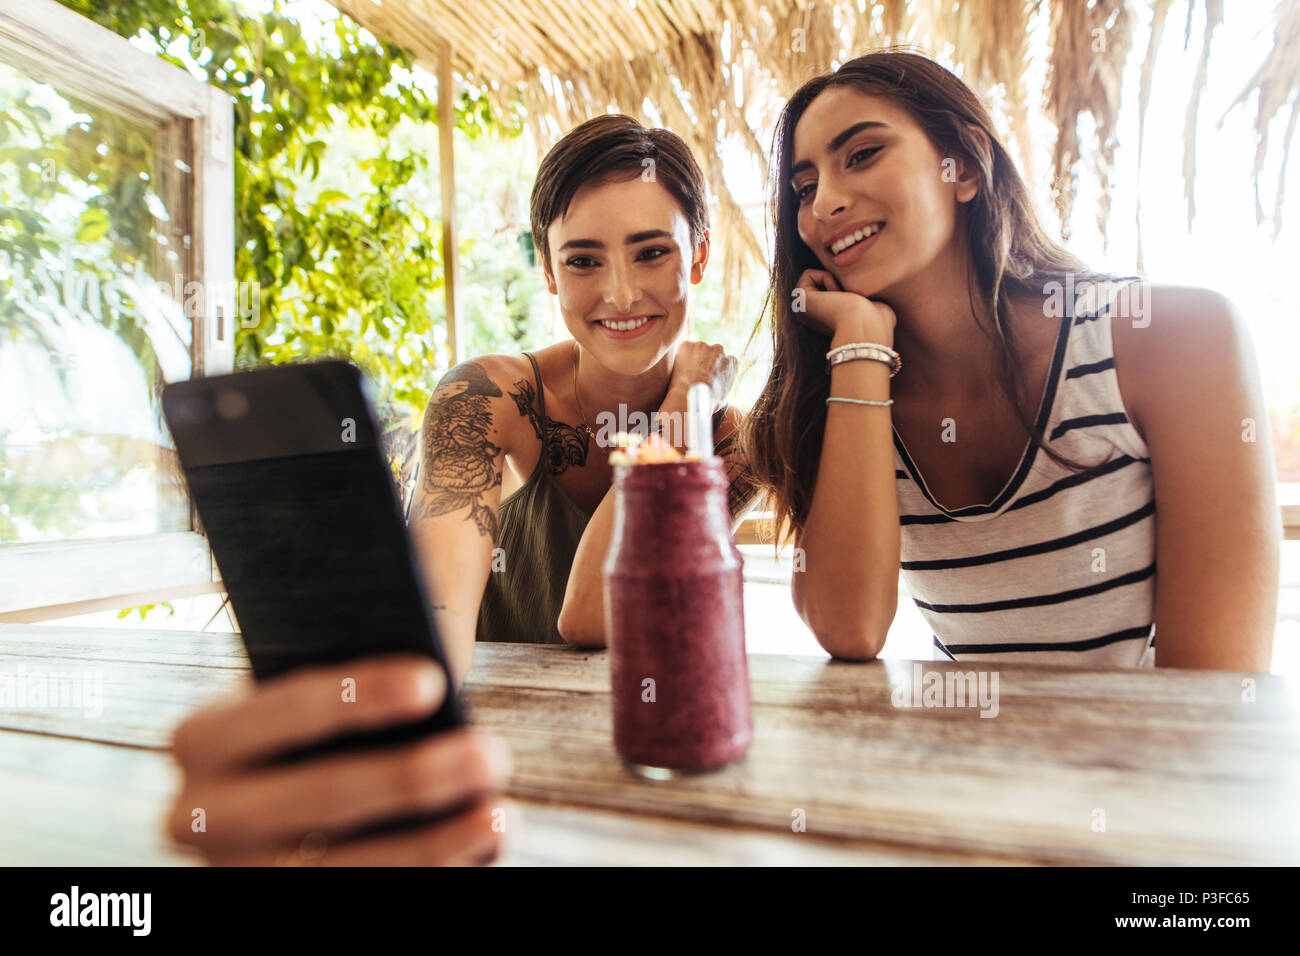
[116, 276]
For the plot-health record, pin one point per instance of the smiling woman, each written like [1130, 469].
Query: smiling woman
[513, 512]
[1047, 413]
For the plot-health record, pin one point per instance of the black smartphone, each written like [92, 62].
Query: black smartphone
[286, 469]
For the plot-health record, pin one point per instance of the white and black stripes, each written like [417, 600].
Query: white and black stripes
[1060, 566]
[1088, 421]
[1024, 551]
[1079, 371]
[1131, 634]
[1037, 600]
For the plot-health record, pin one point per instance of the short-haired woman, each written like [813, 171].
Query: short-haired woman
[512, 512]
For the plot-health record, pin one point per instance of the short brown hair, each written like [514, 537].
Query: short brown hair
[601, 149]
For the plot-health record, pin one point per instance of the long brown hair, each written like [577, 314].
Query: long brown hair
[1010, 254]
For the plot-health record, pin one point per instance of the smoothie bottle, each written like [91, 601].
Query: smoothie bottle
[675, 620]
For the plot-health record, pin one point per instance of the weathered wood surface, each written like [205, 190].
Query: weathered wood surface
[151, 679]
[78, 803]
[1183, 769]
[1182, 766]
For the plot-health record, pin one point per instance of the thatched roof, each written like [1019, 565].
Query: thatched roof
[710, 70]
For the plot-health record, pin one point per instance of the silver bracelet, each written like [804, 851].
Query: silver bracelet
[865, 350]
[857, 401]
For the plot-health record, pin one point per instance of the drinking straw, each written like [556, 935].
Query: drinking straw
[699, 420]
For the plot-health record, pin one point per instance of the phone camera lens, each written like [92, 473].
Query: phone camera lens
[232, 405]
[192, 411]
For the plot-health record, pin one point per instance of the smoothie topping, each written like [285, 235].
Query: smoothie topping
[634, 450]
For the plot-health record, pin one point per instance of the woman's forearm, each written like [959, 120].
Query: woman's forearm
[454, 585]
[582, 618]
[847, 591]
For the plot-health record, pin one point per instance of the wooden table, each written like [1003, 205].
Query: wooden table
[1155, 767]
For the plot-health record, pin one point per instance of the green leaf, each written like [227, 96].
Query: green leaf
[94, 225]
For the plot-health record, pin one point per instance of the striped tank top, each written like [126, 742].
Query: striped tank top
[1060, 567]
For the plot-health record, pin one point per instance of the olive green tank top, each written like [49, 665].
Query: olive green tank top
[539, 527]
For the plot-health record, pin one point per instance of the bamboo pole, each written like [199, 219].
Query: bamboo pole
[447, 176]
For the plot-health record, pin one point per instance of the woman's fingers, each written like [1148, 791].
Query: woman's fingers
[731, 366]
[822, 304]
[307, 706]
[705, 363]
[338, 794]
[473, 837]
[821, 280]
[810, 285]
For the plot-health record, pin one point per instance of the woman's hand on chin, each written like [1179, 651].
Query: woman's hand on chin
[700, 362]
[822, 304]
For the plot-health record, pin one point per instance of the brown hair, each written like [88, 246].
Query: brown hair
[604, 148]
[1010, 254]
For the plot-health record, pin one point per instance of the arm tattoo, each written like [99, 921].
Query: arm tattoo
[459, 461]
[562, 444]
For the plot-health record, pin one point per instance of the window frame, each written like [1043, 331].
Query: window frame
[192, 122]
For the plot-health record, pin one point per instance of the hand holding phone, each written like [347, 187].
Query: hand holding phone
[352, 736]
[239, 805]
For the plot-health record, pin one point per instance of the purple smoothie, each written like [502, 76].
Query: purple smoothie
[674, 614]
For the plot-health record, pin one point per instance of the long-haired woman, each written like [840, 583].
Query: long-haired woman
[1060, 461]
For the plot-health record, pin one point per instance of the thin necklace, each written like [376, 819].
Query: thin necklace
[581, 410]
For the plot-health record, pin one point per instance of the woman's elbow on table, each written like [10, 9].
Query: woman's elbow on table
[580, 629]
[851, 642]
[852, 630]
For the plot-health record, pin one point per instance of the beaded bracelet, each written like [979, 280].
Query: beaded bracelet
[858, 401]
[865, 350]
